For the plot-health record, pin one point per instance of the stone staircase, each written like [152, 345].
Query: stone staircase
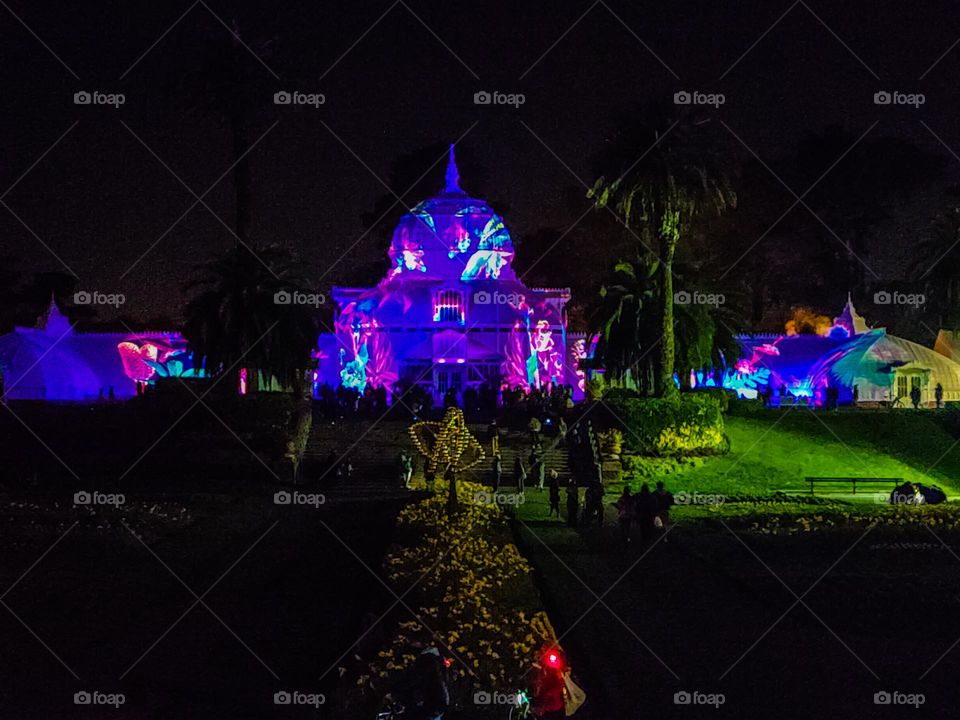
[372, 447]
[511, 445]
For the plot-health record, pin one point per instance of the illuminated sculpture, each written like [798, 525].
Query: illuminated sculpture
[450, 313]
[448, 447]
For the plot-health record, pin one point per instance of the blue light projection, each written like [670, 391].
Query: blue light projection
[450, 272]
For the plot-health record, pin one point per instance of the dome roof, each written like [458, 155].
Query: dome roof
[451, 235]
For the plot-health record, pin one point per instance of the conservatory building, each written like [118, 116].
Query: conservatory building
[450, 312]
[864, 366]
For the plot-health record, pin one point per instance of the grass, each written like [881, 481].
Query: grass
[714, 602]
[775, 452]
[762, 477]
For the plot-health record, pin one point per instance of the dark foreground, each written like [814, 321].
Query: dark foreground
[215, 607]
[809, 625]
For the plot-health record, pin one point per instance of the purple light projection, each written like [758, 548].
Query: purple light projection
[449, 297]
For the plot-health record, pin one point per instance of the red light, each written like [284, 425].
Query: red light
[553, 660]
[447, 662]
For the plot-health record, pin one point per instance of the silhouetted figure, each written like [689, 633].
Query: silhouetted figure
[646, 510]
[554, 485]
[593, 504]
[625, 514]
[535, 427]
[573, 502]
[664, 500]
[497, 471]
[493, 435]
[548, 698]
[519, 474]
[915, 397]
[938, 395]
[425, 695]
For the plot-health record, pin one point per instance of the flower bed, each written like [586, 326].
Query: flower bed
[472, 594]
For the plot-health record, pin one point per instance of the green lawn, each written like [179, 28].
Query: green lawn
[774, 452]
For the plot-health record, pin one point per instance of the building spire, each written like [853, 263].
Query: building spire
[451, 184]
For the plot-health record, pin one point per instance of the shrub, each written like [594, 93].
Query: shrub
[611, 442]
[687, 424]
[641, 467]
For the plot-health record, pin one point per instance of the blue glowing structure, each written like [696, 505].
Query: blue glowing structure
[450, 312]
[861, 365]
[52, 361]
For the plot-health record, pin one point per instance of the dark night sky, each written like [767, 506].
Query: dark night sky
[99, 200]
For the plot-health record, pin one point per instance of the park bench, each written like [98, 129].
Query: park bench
[853, 480]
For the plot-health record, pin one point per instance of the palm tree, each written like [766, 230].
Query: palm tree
[244, 310]
[626, 322]
[676, 182]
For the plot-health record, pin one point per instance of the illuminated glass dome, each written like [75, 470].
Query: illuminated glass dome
[451, 235]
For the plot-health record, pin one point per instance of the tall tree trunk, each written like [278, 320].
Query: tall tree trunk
[665, 386]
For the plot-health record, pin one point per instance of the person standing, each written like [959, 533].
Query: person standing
[493, 435]
[548, 700]
[664, 500]
[425, 693]
[593, 504]
[554, 494]
[520, 474]
[535, 427]
[938, 395]
[646, 510]
[915, 397]
[497, 471]
[573, 502]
